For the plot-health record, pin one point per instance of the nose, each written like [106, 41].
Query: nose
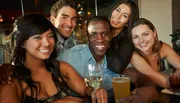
[119, 15]
[99, 38]
[45, 42]
[69, 22]
[141, 39]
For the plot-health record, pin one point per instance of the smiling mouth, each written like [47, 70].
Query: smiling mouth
[143, 45]
[44, 50]
[100, 47]
[67, 29]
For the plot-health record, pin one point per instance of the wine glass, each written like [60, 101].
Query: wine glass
[93, 75]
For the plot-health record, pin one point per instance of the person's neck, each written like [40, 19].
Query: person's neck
[115, 31]
[148, 53]
[36, 67]
[65, 38]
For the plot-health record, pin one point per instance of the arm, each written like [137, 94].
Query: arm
[118, 61]
[73, 79]
[142, 66]
[77, 84]
[9, 93]
[171, 56]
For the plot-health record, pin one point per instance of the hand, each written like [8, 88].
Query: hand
[141, 95]
[69, 99]
[100, 95]
[6, 70]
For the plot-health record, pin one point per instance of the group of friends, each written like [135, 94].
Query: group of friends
[48, 66]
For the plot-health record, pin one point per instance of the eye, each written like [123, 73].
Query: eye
[126, 16]
[93, 34]
[51, 35]
[134, 37]
[146, 34]
[106, 34]
[38, 37]
[74, 19]
[118, 10]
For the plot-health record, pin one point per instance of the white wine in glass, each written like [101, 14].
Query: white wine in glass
[93, 75]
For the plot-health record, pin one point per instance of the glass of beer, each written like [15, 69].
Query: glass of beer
[121, 86]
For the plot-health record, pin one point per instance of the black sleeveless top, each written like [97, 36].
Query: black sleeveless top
[63, 91]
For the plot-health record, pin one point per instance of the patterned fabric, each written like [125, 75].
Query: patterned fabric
[65, 44]
[60, 94]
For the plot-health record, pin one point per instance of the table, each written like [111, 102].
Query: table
[167, 98]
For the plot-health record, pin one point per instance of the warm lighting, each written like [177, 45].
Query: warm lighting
[89, 13]
[12, 18]
[1, 19]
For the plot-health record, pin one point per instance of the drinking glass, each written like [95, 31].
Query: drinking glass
[174, 79]
[121, 87]
[93, 75]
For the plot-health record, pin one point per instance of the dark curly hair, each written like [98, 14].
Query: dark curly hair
[59, 4]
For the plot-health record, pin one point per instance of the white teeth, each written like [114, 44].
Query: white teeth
[100, 47]
[44, 50]
[67, 29]
[143, 45]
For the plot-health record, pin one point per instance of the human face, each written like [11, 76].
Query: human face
[143, 38]
[99, 38]
[120, 16]
[40, 46]
[65, 21]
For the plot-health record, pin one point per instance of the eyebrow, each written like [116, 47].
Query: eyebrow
[123, 12]
[68, 15]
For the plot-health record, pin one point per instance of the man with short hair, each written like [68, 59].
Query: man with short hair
[98, 34]
[63, 16]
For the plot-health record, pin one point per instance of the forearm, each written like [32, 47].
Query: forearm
[142, 66]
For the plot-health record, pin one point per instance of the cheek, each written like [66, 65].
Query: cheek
[74, 23]
[52, 42]
[124, 21]
[135, 42]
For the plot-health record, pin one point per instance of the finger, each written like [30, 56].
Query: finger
[98, 95]
[93, 97]
[104, 96]
[126, 99]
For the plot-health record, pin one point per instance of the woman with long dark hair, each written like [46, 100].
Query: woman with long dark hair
[37, 76]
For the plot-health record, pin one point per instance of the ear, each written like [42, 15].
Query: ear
[52, 18]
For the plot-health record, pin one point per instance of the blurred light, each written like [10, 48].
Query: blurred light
[81, 13]
[89, 13]
[12, 18]
[1, 19]
[79, 24]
